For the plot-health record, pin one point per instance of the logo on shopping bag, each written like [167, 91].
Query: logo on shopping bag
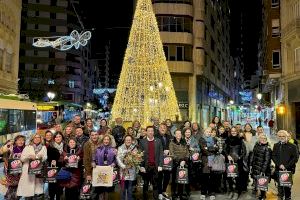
[182, 173]
[167, 160]
[86, 188]
[262, 181]
[51, 173]
[72, 159]
[35, 164]
[231, 168]
[284, 177]
[15, 164]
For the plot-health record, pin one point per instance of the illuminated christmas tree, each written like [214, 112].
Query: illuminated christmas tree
[145, 88]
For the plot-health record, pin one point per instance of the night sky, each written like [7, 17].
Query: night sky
[113, 19]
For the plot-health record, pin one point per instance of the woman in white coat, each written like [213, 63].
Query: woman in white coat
[29, 185]
[127, 172]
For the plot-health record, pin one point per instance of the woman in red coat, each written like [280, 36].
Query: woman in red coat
[72, 186]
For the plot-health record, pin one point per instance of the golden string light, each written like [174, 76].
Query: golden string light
[145, 88]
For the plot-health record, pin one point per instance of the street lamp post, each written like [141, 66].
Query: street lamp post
[51, 96]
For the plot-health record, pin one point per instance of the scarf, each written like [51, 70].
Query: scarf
[209, 143]
[37, 148]
[17, 150]
[59, 147]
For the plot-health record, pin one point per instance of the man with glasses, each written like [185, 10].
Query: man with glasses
[285, 156]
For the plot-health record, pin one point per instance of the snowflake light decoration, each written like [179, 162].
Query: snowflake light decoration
[64, 43]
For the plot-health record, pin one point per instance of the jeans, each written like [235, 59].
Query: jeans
[55, 190]
[127, 191]
[151, 176]
[164, 179]
[284, 192]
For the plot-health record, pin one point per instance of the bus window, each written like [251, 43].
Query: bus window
[3, 121]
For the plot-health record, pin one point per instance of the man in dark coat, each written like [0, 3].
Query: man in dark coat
[285, 157]
[118, 132]
[152, 161]
[164, 176]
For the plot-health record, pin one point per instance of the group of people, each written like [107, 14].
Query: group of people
[204, 154]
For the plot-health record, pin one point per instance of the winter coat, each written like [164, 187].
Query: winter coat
[75, 180]
[128, 173]
[158, 152]
[261, 159]
[165, 143]
[193, 144]
[179, 150]
[235, 147]
[118, 132]
[80, 141]
[88, 155]
[29, 185]
[99, 156]
[207, 151]
[285, 154]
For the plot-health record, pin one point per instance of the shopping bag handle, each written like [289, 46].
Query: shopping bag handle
[231, 162]
[53, 165]
[72, 151]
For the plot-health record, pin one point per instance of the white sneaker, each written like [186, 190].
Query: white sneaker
[160, 197]
[212, 197]
[202, 197]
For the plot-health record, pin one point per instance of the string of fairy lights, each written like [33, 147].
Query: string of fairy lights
[145, 88]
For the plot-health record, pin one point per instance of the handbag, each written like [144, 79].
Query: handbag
[72, 159]
[218, 164]
[14, 165]
[168, 163]
[262, 182]
[285, 178]
[63, 175]
[86, 191]
[182, 175]
[50, 174]
[232, 170]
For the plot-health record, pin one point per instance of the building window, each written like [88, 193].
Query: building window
[35, 52]
[71, 84]
[51, 82]
[178, 53]
[36, 26]
[174, 23]
[297, 59]
[37, 13]
[1, 59]
[275, 3]
[35, 66]
[8, 64]
[275, 28]
[51, 68]
[166, 50]
[276, 59]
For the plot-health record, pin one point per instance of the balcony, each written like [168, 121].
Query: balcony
[177, 37]
[182, 67]
[173, 9]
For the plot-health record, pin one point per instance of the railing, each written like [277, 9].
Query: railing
[173, 1]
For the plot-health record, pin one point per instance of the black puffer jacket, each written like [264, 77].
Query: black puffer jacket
[261, 160]
[235, 147]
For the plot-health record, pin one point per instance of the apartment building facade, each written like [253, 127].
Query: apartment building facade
[195, 35]
[66, 73]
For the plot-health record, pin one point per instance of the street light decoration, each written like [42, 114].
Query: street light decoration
[51, 95]
[281, 109]
[145, 88]
[259, 96]
[63, 43]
